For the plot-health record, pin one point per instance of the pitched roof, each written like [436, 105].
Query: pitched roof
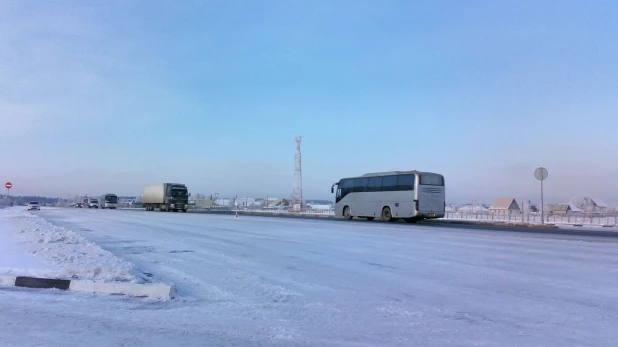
[558, 207]
[573, 207]
[504, 204]
[599, 202]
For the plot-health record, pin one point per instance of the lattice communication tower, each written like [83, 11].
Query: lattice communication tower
[297, 192]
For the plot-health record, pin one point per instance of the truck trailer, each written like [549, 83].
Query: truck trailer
[165, 197]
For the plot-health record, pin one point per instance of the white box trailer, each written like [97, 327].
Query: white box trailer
[165, 197]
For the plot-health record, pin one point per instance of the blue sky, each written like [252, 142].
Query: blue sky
[109, 96]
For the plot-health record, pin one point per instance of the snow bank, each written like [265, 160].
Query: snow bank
[68, 254]
[13, 260]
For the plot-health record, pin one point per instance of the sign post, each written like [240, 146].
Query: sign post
[541, 175]
[8, 186]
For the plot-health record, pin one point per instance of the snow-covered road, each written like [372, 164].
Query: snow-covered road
[275, 281]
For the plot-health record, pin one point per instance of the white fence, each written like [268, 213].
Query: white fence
[535, 218]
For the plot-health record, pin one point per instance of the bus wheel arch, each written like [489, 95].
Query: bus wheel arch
[346, 213]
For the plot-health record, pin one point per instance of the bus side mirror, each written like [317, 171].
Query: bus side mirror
[332, 190]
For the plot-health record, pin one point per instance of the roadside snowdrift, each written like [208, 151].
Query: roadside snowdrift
[68, 254]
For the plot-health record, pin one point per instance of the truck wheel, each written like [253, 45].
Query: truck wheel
[184, 210]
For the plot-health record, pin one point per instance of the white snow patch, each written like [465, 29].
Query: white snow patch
[14, 260]
[320, 207]
[66, 254]
[472, 208]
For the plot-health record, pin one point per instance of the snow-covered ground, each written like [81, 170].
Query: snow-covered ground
[276, 281]
[52, 251]
[13, 257]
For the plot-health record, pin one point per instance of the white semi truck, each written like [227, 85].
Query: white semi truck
[165, 197]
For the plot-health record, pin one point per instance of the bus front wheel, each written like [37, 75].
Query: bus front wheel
[346, 213]
[386, 214]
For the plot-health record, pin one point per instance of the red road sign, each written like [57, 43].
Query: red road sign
[8, 185]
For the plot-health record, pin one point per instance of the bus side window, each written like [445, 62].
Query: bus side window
[406, 182]
[375, 184]
[389, 183]
[360, 185]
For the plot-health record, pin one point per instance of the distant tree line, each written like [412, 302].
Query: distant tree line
[8, 200]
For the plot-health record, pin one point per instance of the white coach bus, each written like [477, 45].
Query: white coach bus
[407, 195]
[108, 201]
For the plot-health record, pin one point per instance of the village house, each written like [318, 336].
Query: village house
[504, 206]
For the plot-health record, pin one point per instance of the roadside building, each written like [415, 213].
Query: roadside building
[504, 206]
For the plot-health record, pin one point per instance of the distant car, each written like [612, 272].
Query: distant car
[79, 205]
[34, 205]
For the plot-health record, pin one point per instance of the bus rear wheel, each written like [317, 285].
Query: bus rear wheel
[346, 213]
[386, 214]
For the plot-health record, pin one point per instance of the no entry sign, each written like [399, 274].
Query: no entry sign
[8, 185]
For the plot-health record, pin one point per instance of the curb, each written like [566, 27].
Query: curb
[160, 291]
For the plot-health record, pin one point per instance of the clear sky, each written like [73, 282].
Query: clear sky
[107, 96]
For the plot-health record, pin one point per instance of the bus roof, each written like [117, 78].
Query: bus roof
[392, 173]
